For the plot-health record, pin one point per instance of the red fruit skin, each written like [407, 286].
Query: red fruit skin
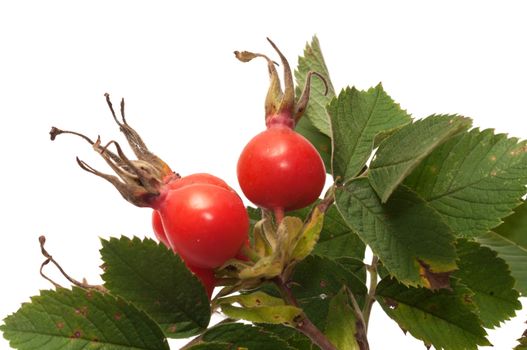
[198, 178]
[159, 231]
[206, 224]
[162, 237]
[279, 168]
[192, 179]
[206, 276]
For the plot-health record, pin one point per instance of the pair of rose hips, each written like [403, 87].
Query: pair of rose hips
[199, 216]
[205, 221]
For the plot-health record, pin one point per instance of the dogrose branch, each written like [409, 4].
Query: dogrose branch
[304, 324]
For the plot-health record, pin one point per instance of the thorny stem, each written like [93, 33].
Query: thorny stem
[49, 258]
[303, 324]
[370, 298]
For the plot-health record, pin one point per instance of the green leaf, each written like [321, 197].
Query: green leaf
[283, 314]
[313, 60]
[357, 118]
[310, 234]
[321, 141]
[316, 280]
[355, 266]
[212, 346]
[514, 227]
[337, 239]
[81, 319]
[322, 278]
[254, 299]
[294, 338]
[473, 180]
[341, 323]
[510, 242]
[157, 281]
[444, 319]
[243, 336]
[522, 342]
[398, 155]
[259, 307]
[255, 215]
[409, 237]
[514, 254]
[492, 285]
[315, 124]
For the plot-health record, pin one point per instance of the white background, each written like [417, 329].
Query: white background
[197, 106]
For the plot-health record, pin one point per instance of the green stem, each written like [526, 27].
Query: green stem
[370, 298]
[304, 324]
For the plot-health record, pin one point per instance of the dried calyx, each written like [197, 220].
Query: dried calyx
[280, 106]
[139, 181]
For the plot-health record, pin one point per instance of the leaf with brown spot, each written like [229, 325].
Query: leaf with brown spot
[68, 319]
[442, 318]
[156, 280]
[473, 180]
[401, 232]
[259, 307]
[434, 280]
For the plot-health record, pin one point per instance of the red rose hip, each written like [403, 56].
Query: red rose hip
[206, 224]
[279, 168]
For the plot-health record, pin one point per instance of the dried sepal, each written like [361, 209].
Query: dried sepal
[302, 102]
[281, 107]
[139, 181]
[274, 93]
[288, 100]
[136, 143]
